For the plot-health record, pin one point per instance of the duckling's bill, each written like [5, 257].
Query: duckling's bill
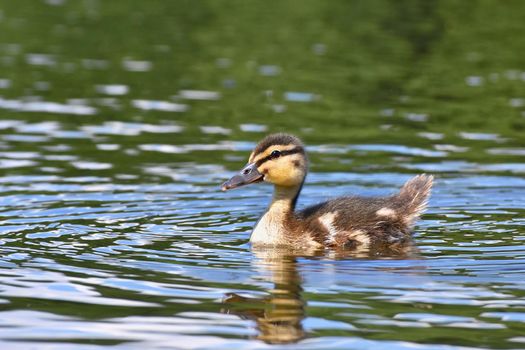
[249, 174]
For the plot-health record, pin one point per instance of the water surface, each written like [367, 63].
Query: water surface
[119, 121]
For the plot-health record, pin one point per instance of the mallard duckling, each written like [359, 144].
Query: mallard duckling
[344, 222]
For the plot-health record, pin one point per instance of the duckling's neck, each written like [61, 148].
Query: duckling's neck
[279, 217]
[284, 198]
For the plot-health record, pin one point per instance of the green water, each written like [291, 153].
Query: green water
[119, 120]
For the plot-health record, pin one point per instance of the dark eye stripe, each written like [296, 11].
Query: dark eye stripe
[283, 153]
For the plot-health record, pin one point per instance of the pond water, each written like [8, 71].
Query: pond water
[120, 120]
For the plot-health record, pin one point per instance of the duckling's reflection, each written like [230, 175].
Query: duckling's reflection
[279, 316]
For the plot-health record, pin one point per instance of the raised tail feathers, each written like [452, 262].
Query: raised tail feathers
[413, 197]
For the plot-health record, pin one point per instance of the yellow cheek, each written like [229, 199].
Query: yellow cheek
[263, 170]
[283, 177]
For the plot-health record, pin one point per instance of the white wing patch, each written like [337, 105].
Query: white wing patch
[327, 220]
[387, 212]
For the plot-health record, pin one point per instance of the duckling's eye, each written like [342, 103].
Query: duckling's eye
[275, 154]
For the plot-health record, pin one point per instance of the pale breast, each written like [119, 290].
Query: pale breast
[273, 230]
[268, 231]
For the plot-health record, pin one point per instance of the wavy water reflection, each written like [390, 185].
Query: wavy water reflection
[95, 247]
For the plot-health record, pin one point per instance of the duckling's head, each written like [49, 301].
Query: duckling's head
[279, 159]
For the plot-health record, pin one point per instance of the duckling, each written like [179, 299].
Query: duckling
[343, 222]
